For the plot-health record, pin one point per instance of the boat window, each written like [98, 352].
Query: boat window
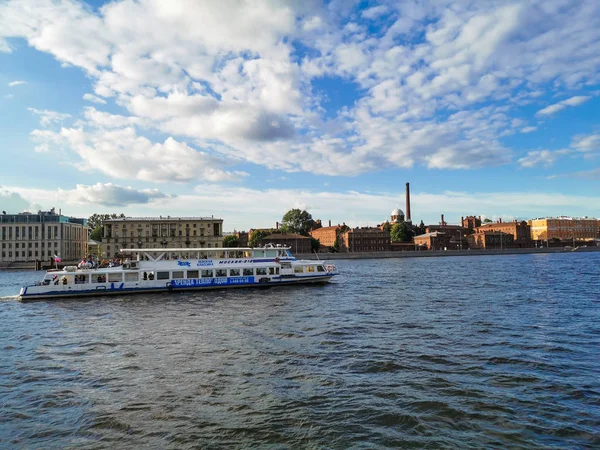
[259, 253]
[162, 275]
[79, 279]
[277, 270]
[221, 255]
[310, 268]
[248, 254]
[115, 277]
[177, 274]
[271, 270]
[207, 273]
[248, 272]
[202, 255]
[271, 253]
[320, 269]
[131, 276]
[234, 272]
[99, 278]
[298, 269]
[221, 273]
[192, 274]
[261, 271]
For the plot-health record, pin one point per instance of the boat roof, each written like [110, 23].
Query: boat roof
[202, 249]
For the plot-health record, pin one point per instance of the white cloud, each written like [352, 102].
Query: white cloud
[528, 129]
[587, 143]
[11, 201]
[16, 83]
[49, 117]
[108, 194]
[226, 76]
[573, 101]
[94, 99]
[535, 158]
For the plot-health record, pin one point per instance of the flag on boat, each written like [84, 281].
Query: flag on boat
[57, 258]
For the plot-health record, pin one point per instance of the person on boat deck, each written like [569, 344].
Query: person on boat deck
[64, 280]
[145, 276]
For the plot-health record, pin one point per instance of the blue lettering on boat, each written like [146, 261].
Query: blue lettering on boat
[222, 281]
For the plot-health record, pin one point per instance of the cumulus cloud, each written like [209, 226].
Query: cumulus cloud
[586, 143]
[94, 99]
[573, 101]
[108, 194]
[528, 129]
[535, 158]
[48, 117]
[16, 83]
[11, 201]
[229, 77]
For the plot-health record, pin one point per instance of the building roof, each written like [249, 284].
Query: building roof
[432, 234]
[158, 219]
[397, 212]
[326, 228]
[282, 236]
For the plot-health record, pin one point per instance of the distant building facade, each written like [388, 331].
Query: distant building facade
[564, 228]
[471, 222]
[520, 231]
[439, 240]
[41, 236]
[365, 240]
[296, 242]
[160, 232]
[488, 239]
[327, 236]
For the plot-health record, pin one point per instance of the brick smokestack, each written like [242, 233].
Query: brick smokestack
[407, 218]
[443, 223]
[329, 222]
[277, 225]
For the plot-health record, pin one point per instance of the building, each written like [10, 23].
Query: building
[365, 240]
[160, 232]
[487, 239]
[297, 243]
[471, 222]
[41, 236]
[444, 227]
[520, 232]
[440, 240]
[94, 248]
[327, 236]
[564, 229]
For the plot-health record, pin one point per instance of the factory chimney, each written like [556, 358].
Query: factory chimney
[329, 222]
[407, 218]
[443, 222]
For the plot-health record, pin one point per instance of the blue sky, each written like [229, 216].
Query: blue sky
[247, 109]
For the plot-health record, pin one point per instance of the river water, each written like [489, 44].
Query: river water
[453, 352]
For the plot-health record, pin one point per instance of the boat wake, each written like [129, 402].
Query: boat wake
[7, 298]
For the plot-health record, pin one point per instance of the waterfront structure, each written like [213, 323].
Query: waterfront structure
[296, 242]
[27, 237]
[564, 229]
[519, 230]
[160, 232]
[489, 239]
[182, 269]
[365, 240]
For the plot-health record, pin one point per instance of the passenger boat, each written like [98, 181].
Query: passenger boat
[182, 269]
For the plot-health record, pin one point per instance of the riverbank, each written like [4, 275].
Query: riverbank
[434, 253]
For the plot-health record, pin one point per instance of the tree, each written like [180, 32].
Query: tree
[231, 241]
[96, 220]
[96, 233]
[387, 227]
[256, 236]
[297, 221]
[401, 232]
[486, 220]
[315, 244]
[422, 228]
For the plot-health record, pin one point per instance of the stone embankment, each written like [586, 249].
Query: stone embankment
[432, 253]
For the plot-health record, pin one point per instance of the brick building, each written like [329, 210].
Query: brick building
[160, 232]
[471, 222]
[365, 240]
[297, 242]
[326, 235]
[520, 232]
[440, 240]
[40, 236]
[491, 240]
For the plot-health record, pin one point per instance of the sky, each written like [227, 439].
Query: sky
[246, 109]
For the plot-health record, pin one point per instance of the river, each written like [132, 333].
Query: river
[454, 352]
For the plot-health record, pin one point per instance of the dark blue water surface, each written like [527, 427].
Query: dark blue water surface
[454, 352]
